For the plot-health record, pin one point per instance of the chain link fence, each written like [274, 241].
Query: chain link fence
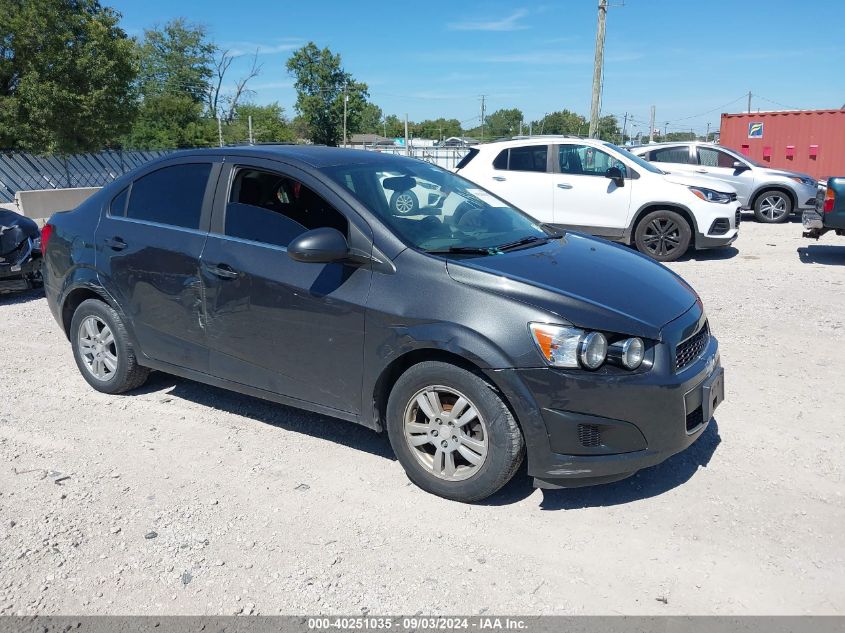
[20, 171]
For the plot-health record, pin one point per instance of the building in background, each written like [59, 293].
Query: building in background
[809, 141]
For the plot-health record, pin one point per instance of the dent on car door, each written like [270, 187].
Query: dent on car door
[288, 327]
[148, 245]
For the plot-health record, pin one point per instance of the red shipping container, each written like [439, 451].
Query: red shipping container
[808, 141]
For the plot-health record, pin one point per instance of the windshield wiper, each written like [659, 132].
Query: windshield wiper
[472, 250]
[530, 239]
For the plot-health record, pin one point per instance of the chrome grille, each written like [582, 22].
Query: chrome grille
[692, 348]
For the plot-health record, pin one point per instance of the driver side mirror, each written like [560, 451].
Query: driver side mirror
[319, 246]
[740, 166]
[615, 174]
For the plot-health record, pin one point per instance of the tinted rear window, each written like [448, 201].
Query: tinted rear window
[118, 203]
[171, 195]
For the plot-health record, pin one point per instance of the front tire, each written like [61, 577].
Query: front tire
[452, 433]
[663, 235]
[102, 350]
[772, 207]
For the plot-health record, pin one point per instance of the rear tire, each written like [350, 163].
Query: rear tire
[663, 235]
[102, 349]
[462, 443]
[772, 207]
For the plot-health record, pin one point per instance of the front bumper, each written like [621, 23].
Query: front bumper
[722, 228]
[602, 427]
[806, 196]
[20, 276]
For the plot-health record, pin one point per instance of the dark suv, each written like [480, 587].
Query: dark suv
[468, 331]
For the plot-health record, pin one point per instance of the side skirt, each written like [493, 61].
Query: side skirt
[237, 387]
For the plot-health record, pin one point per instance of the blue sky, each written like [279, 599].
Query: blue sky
[692, 60]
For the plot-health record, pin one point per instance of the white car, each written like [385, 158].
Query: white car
[598, 188]
[773, 194]
[424, 194]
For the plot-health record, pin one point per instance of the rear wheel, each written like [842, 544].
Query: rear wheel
[102, 349]
[772, 207]
[452, 433]
[663, 235]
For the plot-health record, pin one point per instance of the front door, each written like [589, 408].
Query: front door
[584, 197]
[148, 245]
[716, 163]
[288, 327]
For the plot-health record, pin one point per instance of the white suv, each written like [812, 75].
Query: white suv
[601, 189]
[773, 194]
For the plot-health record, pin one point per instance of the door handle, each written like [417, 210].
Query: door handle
[116, 243]
[499, 178]
[224, 271]
[564, 185]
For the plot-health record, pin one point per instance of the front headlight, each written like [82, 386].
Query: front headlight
[803, 181]
[711, 195]
[569, 347]
[629, 353]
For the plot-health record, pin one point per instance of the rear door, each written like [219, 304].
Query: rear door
[584, 197]
[521, 176]
[288, 327]
[716, 163]
[148, 245]
[679, 159]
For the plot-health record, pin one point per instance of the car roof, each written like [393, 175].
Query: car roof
[543, 139]
[317, 156]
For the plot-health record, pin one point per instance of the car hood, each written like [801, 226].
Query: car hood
[700, 181]
[781, 173]
[586, 281]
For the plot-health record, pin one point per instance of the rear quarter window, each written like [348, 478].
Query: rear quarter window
[171, 195]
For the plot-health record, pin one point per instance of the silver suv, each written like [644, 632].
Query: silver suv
[773, 194]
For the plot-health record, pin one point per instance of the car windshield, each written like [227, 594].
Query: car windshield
[435, 210]
[639, 161]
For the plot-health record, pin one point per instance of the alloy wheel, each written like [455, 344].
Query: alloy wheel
[662, 236]
[97, 348]
[773, 207]
[404, 203]
[446, 433]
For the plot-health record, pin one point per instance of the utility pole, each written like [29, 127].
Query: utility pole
[345, 101]
[749, 102]
[597, 70]
[482, 117]
[651, 127]
[407, 147]
[624, 125]
[251, 137]
[520, 127]
[665, 129]
[220, 130]
[384, 122]
[531, 128]
[707, 137]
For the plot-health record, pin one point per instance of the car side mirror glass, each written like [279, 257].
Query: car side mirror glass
[319, 246]
[616, 175]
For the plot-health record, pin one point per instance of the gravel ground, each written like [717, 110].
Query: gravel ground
[186, 499]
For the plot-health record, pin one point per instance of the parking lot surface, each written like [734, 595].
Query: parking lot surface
[186, 499]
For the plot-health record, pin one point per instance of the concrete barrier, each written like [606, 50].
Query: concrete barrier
[40, 204]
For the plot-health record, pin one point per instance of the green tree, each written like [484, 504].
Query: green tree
[66, 73]
[269, 124]
[608, 128]
[175, 64]
[371, 120]
[395, 126]
[438, 128]
[321, 85]
[561, 122]
[176, 59]
[504, 122]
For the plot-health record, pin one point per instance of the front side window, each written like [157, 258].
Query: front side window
[453, 215]
[273, 209]
[171, 195]
[715, 158]
[586, 160]
[525, 158]
[671, 155]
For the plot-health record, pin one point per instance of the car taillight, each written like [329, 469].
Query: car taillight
[46, 232]
[829, 200]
